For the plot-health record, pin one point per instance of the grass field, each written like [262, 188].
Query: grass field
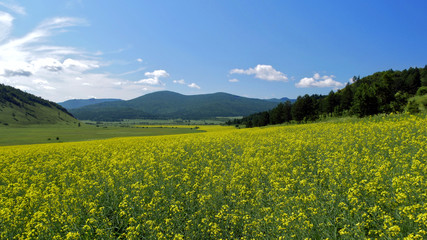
[33, 134]
[180, 122]
[362, 179]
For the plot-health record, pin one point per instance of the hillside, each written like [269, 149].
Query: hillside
[166, 104]
[382, 92]
[21, 108]
[78, 103]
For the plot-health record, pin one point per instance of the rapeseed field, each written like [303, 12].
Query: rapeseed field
[353, 180]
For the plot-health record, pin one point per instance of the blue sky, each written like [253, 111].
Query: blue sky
[62, 50]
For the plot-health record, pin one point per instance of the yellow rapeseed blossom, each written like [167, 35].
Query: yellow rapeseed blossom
[364, 179]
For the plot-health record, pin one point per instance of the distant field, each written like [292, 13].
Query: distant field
[129, 122]
[64, 133]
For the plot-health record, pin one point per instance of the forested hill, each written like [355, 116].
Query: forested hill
[167, 104]
[382, 92]
[78, 103]
[18, 108]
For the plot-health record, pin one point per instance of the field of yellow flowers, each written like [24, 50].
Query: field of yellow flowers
[352, 180]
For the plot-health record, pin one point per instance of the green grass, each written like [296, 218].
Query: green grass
[34, 134]
[13, 115]
[130, 122]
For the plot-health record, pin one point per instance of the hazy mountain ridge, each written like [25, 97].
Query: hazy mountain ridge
[20, 108]
[78, 103]
[279, 100]
[167, 104]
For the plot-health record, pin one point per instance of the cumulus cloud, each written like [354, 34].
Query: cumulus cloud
[318, 81]
[139, 60]
[153, 77]
[193, 85]
[234, 80]
[150, 81]
[157, 74]
[263, 72]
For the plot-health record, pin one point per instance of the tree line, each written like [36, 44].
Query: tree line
[382, 92]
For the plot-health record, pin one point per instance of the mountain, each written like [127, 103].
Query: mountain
[21, 108]
[167, 104]
[279, 100]
[78, 103]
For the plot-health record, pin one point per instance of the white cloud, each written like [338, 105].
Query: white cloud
[318, 81]
[150, 81]
[48, 87]
[74, 3]
[49, 64]
[13, 7]
[133, 71]
[40, 65]
[193, 85]
[5, 24]
[59, 23]
[139, 60]
[56, 50]
[80, 65]
[21, 52]
[263, 72]
[157, 74]
[22, 48]
[40, 81]
[154, 77]
[23, 88]
[34, 63]
[181, 81]
[234, 80]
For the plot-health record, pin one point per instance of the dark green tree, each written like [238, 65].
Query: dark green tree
[413, 80]
[276, 114]
[365, 101]
[330, 102]
[423, 75]
[303, 109]
[346, 98]
[287, 111]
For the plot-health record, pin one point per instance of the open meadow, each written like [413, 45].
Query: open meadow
[365, 178]
[33, 134]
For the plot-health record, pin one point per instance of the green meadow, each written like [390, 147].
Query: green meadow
[34, 134]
